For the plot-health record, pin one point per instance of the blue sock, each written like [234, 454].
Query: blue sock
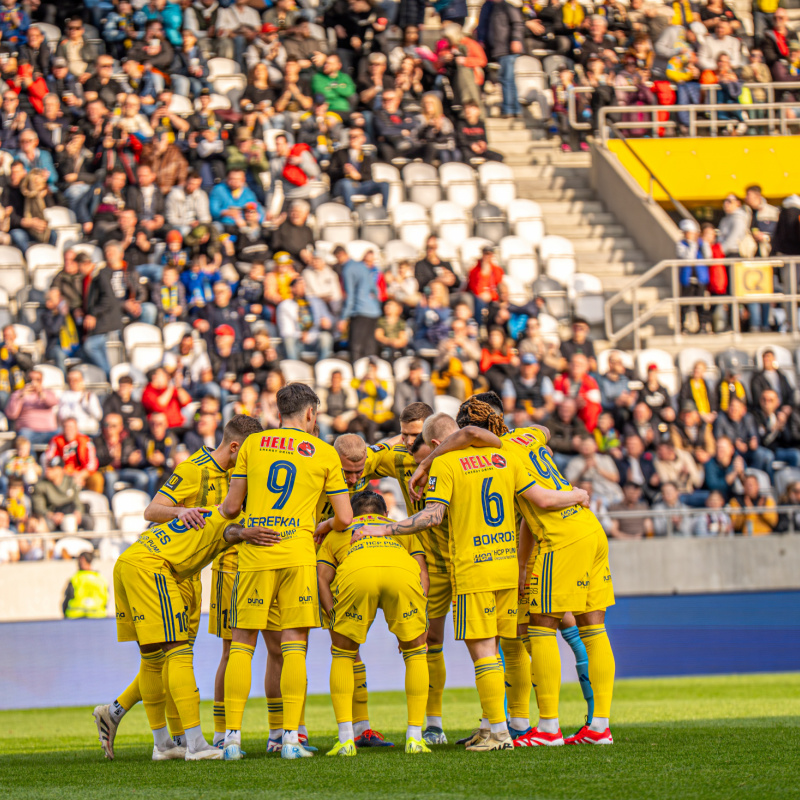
[573, 639]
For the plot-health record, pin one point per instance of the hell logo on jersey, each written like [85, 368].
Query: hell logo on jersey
[468, 463]
[498, 461]
[306, 449]
[285, 443]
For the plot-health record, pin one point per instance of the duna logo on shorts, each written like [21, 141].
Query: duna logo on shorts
[307, 597]
[489, 610]
[137, 617]
[255, 600]
[411, 611]
[353, 615]
[120, 615]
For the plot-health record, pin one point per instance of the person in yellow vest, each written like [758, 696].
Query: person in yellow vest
[86, 595]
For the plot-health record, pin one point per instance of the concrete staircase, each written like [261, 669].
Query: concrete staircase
[561, 184]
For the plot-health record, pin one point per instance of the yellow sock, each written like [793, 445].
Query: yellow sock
[293, 683]
[526, 640]
[342, 682]
[489, 680]
[131, 696]
[182, 686]
[275, 713]
[237, 684]
[360, 693]
[545, 670]
[173, 716]
[601, 667]
[417, 679]
[219, 717]
[437, 674]
[517, 677]
[151, 685]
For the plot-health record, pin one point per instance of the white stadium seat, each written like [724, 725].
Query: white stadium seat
[604, 355]
[334, 223]
[422, 184]
[667, 372]
[128, 507]
[297, 371]
[450, 221]
[588, 301]
[497, 182]
[402, 367]
[525, 220]
[324, 368]
[458, 181]
[689, 356]
[219, 67]
[411, 224]
[44, 261]
[388, 173]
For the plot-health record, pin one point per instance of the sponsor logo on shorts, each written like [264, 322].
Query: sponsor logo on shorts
[607, 578]
[306, 449]
[120, 615]
[411, 611]
[512, 612]
[489, 610]
[568, 512]
[353, 615]
[498, 461]
[582, 584]
[306, 598]
[137, 617]
[255, 600]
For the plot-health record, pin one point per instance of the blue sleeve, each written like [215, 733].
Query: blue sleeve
[217, 203]
[350, 290]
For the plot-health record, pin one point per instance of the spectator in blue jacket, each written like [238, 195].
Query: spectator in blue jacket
[124, 27]
[33, 157]
[227, 200]
[14, 23]
[170, 16]
[694, 278]
[362, 309]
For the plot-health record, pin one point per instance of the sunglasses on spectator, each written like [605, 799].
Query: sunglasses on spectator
[74, 27]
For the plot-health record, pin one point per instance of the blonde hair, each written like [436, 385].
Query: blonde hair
[350, 446]
[438, 427]
[437, 106]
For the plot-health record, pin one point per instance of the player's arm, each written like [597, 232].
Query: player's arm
[554, 499]
[232, 504]
[164, 509]
[342, 511]
[325, 575]
[545, 431]
[429, 517]
[524, 552]
[262, 537]
[470, 436]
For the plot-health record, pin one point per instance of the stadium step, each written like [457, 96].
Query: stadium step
[577, 219]
[597, 244]
[717, 342]
[547, 172]
[540, 194]
[603, 266]
[557, 209]
[584, 229]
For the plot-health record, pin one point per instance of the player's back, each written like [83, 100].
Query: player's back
[287, 470]
[198, 482]
[479, 485]
[173, 547]
[557, 527]
[374, 551]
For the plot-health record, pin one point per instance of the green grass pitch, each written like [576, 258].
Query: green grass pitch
[675, 738]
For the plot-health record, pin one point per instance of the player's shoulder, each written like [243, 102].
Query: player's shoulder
[526, 436]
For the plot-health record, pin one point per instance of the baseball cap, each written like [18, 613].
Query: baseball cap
[319, 99]
[224, 330]
[250, 207]
[652, 367]
[60, 63]
[282, 257]
[205, 92]
[689, 225]
[268, 27]
[529, 358]
[174, 236]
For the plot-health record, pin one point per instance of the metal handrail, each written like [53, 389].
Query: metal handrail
[769, 88]
[675, 302]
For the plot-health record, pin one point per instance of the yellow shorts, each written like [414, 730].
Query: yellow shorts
[294, 589]
[440, 594]
[576, 578]
[192, 594]
[484, 615]
[219, 613]
[150, 606]
[274, 618]
[359, 593]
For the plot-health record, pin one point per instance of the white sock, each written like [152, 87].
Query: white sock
[520, 723]
[548, 725]
[290, 737]
[303, 731]
[484, 724]
[434, 722]
[360, 727]
[499, 727]
[345, 731]
[180, 739]
[162, 739]
[195, 740]
[414, 732]
[116, 711]
[276, 733]
[598, 724]
[218, 737]
[233, 737]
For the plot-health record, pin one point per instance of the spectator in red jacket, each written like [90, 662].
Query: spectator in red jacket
[499, 361]
[484, 278]
[166, 395]
[76, 451]
[578, 383]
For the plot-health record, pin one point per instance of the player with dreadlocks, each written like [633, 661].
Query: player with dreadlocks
[569, 573]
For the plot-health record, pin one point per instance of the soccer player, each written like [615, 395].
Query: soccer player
[582, 583]
[476, 488]
[151, 611]
[387, 573]
[282, 472]
[199, 482]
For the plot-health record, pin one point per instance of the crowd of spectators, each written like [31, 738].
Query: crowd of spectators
[194, 211]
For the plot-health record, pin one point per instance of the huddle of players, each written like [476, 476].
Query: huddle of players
[463, 545]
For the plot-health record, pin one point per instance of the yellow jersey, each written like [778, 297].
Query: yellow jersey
[197, 483]
[173, 547]
[554, 528]
[478, 485]
[396, 462]
[287, 470]
[374, 551]
[324, 507]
